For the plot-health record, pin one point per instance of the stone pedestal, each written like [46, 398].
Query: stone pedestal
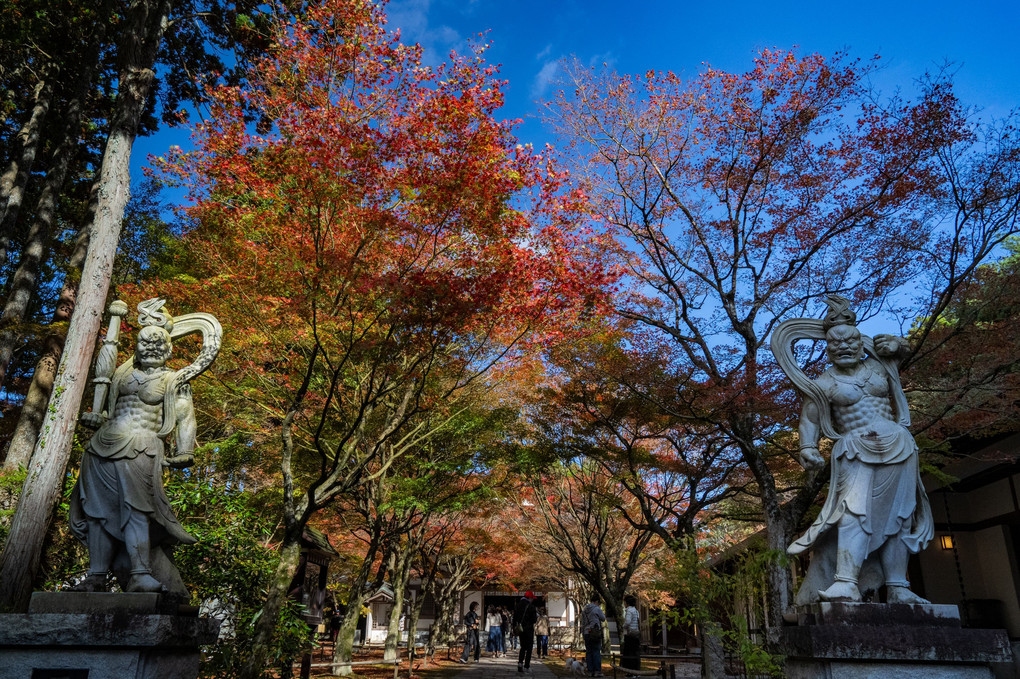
[71, 635]
[889, 641]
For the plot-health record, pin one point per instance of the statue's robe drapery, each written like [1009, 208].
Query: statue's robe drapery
[122, 472]
[875, 477]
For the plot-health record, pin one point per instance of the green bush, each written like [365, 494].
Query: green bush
[229, 569]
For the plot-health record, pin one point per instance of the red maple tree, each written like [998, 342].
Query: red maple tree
[376, 243]
[745, 198]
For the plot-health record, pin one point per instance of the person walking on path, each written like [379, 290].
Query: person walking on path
[542, 633]
[471, 635]
[630, 653]
[525, 617]
[511, 634]
[592, 619]
[494, 627]
[335, 620]
[504, 626]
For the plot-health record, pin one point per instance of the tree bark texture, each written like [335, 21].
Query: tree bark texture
[290, 557]
[15, 178]
[413, 616]
[344, 648]
[778, 520]
[24, 282]
[400, 575]
[34, 408]
[19, 562]
[713, 656]
[778, 537]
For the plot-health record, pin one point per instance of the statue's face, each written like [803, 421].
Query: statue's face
[153, 348]
[844, 346]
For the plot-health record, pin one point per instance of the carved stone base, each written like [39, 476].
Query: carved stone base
[103, 636]
[889, 641]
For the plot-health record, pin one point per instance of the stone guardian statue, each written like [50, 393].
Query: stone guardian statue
[118, 506]
[876, 513]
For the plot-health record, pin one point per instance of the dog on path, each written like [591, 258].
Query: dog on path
[576, 667]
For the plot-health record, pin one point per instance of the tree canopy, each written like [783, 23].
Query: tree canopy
[431, 328]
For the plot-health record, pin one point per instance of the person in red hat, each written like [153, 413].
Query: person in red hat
[525, 616]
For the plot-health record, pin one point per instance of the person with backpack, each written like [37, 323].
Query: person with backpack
[471, 635]
[525, 617]
[592, 619]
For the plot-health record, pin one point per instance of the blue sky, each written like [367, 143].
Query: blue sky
[530, 37]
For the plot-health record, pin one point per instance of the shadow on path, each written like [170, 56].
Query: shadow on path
[505, 668]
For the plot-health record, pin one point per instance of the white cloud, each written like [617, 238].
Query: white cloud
[544, 78]
[412, 18]
[605, 59]
[546, 51]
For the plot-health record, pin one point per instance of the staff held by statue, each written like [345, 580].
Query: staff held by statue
[106, 361]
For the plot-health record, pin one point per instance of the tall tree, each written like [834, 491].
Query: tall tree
[378, 247]
[435, 484]
[63, 52]
[203, 40]
[574, 515]
[967, 385]
[458, 570]
[622, 400]
[746, 197]
[379, 529]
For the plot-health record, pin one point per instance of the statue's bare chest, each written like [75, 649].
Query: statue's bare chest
[845, 391]
[143, 388]
[858, 399]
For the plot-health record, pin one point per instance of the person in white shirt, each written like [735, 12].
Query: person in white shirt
[630, 653]
[493, 625]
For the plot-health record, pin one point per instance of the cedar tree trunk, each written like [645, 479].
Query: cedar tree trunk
[34, 408]
[15, 178]
[25, 278]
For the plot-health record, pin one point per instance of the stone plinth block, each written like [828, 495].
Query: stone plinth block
[103, 636]
[895, 641]
[912, 615]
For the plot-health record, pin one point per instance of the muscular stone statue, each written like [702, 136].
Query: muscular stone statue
[118, 507]
[876, 513]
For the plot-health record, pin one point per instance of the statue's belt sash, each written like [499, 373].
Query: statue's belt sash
[119, 443]
[891, 444]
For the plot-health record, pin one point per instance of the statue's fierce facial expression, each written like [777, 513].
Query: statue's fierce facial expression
[153, 348]
[844, 346]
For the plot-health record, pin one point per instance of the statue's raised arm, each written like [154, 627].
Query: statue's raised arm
[118, 507]
[876, 513]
